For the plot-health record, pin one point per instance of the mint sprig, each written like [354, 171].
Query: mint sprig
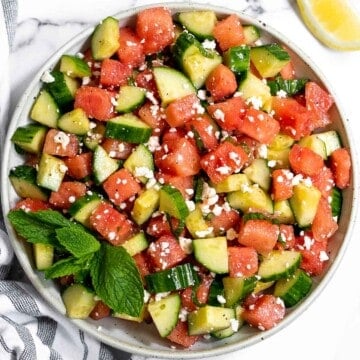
[113, 272]
[114, 277]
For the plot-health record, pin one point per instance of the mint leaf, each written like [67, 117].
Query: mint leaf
[114, 277]
[32, 229]
[77, 241]
[52, 218]
[68, 266]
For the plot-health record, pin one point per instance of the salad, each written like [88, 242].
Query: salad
[180, 172]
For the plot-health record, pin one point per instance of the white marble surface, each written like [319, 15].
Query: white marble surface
[330, 328]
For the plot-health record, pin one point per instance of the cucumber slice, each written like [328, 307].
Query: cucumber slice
[145, 205]
[290, 86]
[251, 33]
[194, 60]
[103, 164]
[30, 137]
[233, 182]
[138, 319]
[74, 67]
[293, 289]
[78, 301]
[171, 84]
[129, 128]
[83, 207]
[208, 319]
[237, 59]
[105, 39]
[279, 264]
[176, 278]
[62, 89]
[235, 325]
[196, 224]
[136, 244]
[331, 139]
[212, 253]
[45, 110]
[75, 122]
[283, 213]
[130, 98]
[165, 313]
[51, 172]
[269, 59]
[94, 137]
[43, 255]
[237, 288]
[314, 143]
[140, 161]
[199, 23]
[251, 198]
[172, 202]
[304, 203]
[259, 172]
[336, 201]
[251, 87]
[23, 180]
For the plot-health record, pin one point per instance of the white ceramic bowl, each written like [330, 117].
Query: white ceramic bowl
[143, 339]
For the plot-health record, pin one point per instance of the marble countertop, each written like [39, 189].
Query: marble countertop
[329, 329]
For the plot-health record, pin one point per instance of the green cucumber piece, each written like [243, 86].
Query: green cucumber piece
[171, 84]
[172, 202]
[83, 207]
[95, 136]
[30, 137]
[196, 62]
[196, 224]
[145, 205]
[259, 173]
[176, 278]
[237, 59]
[235, 325]
[233, 182]
[136, 244]
[78, 301]
[251, 198]
[45, 110]
[331, 139]
[212, 253]
[51, 172]
[62, 89]
[130, 98]
[165, 313]
[103, 165]
[269, 59]
[237, 288]
[129, 128]
[251, 33]
[199, 23]
[74, 67]
[23, 180]
[75, 122]
[283, 213]
[140, 161]
[314, 143]
[279, 264]
[294, 288]
[43, 255]
[251, 87]
[208, 319]
[304, 203]
[105, 39]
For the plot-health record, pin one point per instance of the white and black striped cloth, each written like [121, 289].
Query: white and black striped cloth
[29, 328]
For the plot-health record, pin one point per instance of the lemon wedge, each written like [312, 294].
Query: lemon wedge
[336, 23]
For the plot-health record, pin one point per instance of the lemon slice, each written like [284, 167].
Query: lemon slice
[336, 23]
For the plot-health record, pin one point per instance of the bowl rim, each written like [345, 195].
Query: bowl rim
[147, 350]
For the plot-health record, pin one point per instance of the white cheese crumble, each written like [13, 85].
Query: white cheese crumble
[46, 77]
